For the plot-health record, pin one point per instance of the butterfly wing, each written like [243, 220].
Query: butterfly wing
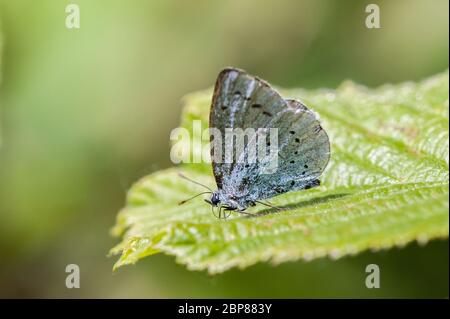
[304, 152]
[243, 101]
[237, 103]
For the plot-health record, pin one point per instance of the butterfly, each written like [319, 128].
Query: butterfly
[244, 101]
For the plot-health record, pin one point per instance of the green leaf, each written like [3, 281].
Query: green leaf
[1, 64]
[386, 185]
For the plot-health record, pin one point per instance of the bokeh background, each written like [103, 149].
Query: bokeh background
[85, 113]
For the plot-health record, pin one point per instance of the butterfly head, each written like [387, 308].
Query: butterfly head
[215, 200]
[219, 198]
[225, 205]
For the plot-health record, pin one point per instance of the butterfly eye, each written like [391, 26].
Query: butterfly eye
[215, 199]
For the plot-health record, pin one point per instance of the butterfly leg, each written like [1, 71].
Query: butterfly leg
[228, 209]
[313, 183]
[242, 210]
[245, 213]
[220, 209]
[268, 204]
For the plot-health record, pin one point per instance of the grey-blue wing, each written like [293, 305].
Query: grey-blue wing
[240, 101]
[243, 101]
[304, 152]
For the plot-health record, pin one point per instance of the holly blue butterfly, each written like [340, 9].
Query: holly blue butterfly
[247, 102]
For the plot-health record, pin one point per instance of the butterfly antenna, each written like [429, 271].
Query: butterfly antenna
[192, 181]
[186, 200]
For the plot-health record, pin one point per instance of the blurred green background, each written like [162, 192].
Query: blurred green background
[85, 113]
